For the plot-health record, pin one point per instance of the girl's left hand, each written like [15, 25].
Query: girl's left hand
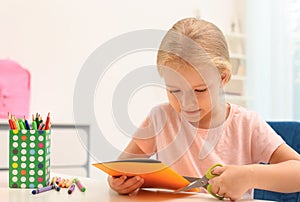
[233, 181]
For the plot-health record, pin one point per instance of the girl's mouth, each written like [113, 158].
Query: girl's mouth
[191, 112]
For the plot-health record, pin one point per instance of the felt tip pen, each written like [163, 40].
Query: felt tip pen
[53, 180]
[71, 189]
[43, 189]
[11, 125]
[41, 126]
[64, 183]
[40, 120]
[21, 124]
[47, 124]
[34, 126]
[58, 180]
[68, 184]
[57, 188]
[60, 183]
[37, 120]
[26, 124]
[16, 123]
[78, 183]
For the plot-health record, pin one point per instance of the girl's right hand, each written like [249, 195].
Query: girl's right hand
[124, 184]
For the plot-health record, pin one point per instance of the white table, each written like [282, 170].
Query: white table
[97, 190]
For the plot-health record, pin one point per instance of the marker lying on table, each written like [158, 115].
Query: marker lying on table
[58, 180]
[69, 183]
[78, 183]
[60, 183]
[53, 180]
[71, 189]
[57, 188]
[40, 190]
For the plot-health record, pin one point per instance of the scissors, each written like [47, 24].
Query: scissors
[203, 182]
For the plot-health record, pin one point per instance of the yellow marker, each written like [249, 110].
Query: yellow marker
[68, 184]
[53, 180]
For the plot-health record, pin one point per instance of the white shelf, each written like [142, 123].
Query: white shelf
[235, 88]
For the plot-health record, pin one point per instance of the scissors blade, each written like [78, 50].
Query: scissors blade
[202, 182]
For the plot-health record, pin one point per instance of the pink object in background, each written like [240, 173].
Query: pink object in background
[14, 89]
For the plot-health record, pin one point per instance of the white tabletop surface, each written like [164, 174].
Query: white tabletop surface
[97, 190]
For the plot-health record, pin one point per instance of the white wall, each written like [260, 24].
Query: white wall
[269, 60]
[52, 39]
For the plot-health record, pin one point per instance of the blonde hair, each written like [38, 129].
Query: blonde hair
[195, 42]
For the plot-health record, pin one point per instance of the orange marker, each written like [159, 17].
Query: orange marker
[61, 182]
[64, 184]
[15, 122]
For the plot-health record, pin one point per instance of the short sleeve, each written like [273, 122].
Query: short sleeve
[145, 138]
[264, 141]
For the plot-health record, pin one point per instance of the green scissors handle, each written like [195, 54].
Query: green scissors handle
[210, 176]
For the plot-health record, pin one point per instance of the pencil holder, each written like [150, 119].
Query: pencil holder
[29, 158]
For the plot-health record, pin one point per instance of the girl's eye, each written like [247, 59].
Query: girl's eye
[200, 90]
[174, 91]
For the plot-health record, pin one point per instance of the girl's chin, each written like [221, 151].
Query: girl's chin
[192, 119]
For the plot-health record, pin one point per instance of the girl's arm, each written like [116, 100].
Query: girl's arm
[124, 184]
[133, 151]
[282, 175]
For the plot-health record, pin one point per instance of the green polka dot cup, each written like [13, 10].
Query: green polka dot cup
[29, 158]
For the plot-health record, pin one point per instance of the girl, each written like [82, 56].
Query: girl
[198, 128]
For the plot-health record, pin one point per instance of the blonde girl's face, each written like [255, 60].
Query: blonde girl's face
[192, 95]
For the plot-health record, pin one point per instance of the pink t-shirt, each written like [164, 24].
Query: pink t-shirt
[244, 138]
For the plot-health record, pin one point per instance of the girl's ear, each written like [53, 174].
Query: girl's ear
[224, 78]
[224, 67]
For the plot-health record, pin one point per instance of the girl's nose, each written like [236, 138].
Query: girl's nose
[189, 100]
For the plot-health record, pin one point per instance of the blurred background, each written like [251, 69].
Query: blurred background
[53, 39]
